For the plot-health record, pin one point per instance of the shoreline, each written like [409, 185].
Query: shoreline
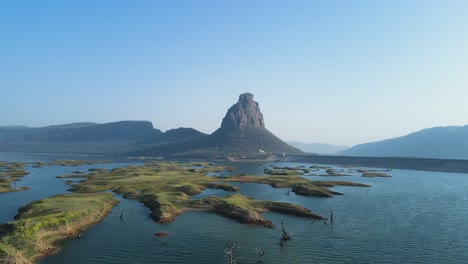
[410, 163]
[77, 230]
[422, 164]
[10, 174]
[40, 226]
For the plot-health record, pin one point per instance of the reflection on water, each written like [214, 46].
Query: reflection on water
[413, 217]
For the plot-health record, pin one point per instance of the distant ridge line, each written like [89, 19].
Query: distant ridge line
[428, 164]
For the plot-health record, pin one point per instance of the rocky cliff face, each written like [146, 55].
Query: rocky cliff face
[245, 115]
[242, 134]
[243, 131]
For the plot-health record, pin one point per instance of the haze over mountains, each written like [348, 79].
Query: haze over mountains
[439, 142]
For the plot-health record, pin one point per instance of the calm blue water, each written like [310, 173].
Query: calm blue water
[413, 217]
[42, 180]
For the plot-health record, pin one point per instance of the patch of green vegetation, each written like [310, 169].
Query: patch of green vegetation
[41, 224]
[333, 172]
[307, 190]
[11, 172]
[282, 172]
[71, 176]
[320, 188]
[97, 170]
[375, 174]
[318, 167]
[70, 163]
[222, 186]
[277, 170]
[248, 211]
[369, 173]
[166, 187]
[38, 165]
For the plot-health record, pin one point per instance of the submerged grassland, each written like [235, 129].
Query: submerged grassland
[166, 189]
[69, 163]
[40, 225]
[11, 172]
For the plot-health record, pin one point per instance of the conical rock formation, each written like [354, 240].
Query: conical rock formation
[242, 134]
[244, 115]
[243, 131]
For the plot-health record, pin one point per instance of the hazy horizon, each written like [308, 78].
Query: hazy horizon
[335, 72]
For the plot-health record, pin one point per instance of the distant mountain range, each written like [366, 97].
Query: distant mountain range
[317, 148]
[438, 142]
[242, 134]
[121, 137]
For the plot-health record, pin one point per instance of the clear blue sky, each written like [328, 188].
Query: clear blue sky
[341, 72]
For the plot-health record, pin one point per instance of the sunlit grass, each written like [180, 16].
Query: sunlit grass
[167, 187]
[41, 224]
[10, 173]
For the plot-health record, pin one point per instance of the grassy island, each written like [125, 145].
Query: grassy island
[248, 211]
[277, 170]
[299, 185]
[373, 173]
[166, 189]
[11, 172]
[41, 224]
[333, 172]
[69, 163]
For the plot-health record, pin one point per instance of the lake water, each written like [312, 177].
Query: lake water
[413, 217]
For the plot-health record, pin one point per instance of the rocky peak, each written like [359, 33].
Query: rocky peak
[243, 116]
